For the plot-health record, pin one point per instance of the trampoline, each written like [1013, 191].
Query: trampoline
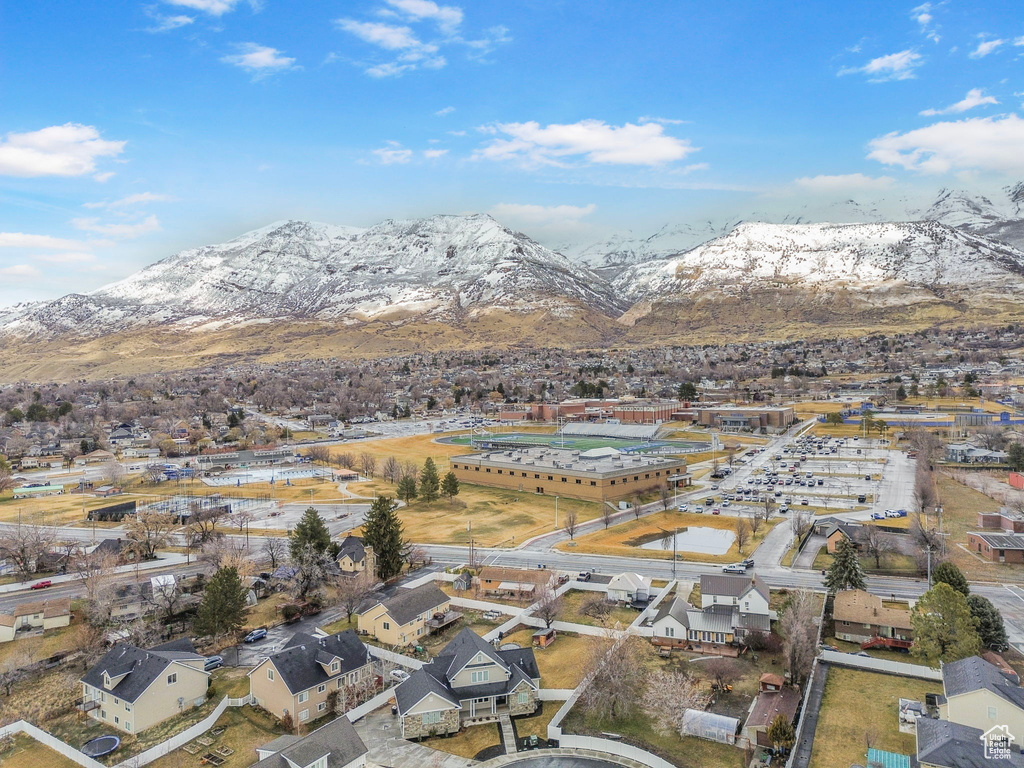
[100, 746]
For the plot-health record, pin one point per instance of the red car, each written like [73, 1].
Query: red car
[42, 584]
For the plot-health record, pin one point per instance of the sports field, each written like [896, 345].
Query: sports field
[575, 443]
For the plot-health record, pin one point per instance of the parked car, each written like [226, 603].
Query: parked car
[255, 635]
[583, 576]
[684, 507]
[716, 511]
[804, 502]
[726, 503]
[862, 498]
[709, 501]
[734, 568]
[212, 663]
[783, 508]
[42, 584]
[748, 563]
[878, 516]
[399, 675]
[829, 648]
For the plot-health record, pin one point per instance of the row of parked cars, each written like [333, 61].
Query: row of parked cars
[888, 513]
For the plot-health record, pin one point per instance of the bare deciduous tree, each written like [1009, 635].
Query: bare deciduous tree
[319, 454]
[799, 634]
[347, 460]
[548, 605]
[607, 511]
[742, 533]
[665, 497]
[147, 532]
[351, 591]
[95, 574]
[571, 523]
[275, 549]
[875, 543]
[618, 677]
[755, 522]
[23, 545]
[667, 696]
[392, 469]
[637, 505]
[367, 464]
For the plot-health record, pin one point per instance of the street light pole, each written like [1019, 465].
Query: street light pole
[556, 513]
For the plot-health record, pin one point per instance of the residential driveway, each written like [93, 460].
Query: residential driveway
[382, 734]
[810, 551]
[251, 654]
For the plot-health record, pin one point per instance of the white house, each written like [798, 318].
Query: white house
[629, 587]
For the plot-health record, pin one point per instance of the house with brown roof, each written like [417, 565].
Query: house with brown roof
[860, 617]
[768, 705]
[43, 615]
[495, 581]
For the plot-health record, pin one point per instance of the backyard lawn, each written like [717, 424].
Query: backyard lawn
[574, 601]
[246, 729]
[562, 664]
[625, 539]
[860, 704]
[26, 752]
[468, 742]
[537, 723]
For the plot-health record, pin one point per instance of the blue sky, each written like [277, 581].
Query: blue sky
[130, 130]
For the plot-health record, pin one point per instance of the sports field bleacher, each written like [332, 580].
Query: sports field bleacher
[618, 431]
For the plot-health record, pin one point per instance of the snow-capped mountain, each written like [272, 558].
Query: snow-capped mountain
[1000, 219]
[863, 256]
[443, 267]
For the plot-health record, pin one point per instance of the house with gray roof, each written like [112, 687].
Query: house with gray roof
[944, 744]
[979, 695]
[132, 689]
[335, 745]
[468, 683]
[354, 557]
[310, 673]
[406, 615]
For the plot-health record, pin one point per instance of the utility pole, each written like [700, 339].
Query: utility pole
[556, 513]
[675, 536]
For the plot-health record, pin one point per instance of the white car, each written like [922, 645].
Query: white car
[399, 675]
[684, 507]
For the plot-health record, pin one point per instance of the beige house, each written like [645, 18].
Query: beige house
[860, 617]
[355, 558]
[48, 614]
[132, 689]
[470, 682]
[299, 680]
[407, 615]
[980, 696]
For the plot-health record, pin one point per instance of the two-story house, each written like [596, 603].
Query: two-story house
[299, 680]
[744, 598]
[407, 615]
[469, 682]
[132, 689]
[860, 617]
[980, 696]
[354, 557]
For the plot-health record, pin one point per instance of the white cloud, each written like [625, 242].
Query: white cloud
[977, 144]
[850, 182]
[140, 198]
[22, 240]
[1018, 41]
[592, 140]
[386, 36]
[167, 23]
[430, 154]
[393, 154]
[448, 17]
[445, 111]
[104, 177]
[60, 150]
[894, 66]
[147, 225]
[541, 215]
[212, 7]
[974, 98]
[661, 120]
[68, 257]
[261, 60]
[923, 15]
[985, 47]
[19, 271]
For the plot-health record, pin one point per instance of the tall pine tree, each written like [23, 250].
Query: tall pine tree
[948, 573]
[450, 486]
[310, 530]
[991, 628]
[944, 629]
[382, 530]
[222, 610]
[407, 489]
[845, 571]
[429, 482]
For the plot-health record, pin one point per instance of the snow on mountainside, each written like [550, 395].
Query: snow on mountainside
[1001, 219]
[757, 255]
[441, 267]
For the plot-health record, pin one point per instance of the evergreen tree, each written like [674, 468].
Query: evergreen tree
[780, 733]
[222, 610]
[407, 489]
[450, 486]
[845, 571]
[944, 629]
[687, 391]
[429, 482]
[991, 629]
[901, 393]
[310, 530]
[1015, 456]
[948, 573]
[382, 530]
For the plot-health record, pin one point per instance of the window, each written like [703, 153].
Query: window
[103, 714]
[593, 482]
[499, 471]
[670, 632]
[536, 477]
[117, 720]
[524, 474]
[578, 481]
[321, 706]
[335, 666]
[304, 715]
[303, 697]
[127, 707]
[341, 681]
[488, 469]
[991, 713]
[431, 718]
[551, 477]
[116, 701]
[172, 678]
[270, 674]
[613, 482]
[127, 726]
[477, 468]
[321, 688]
[387, 625]
[524, 697]
[565, 480]
[479, 676]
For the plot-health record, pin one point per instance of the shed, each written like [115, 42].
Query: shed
[542, 638]
[710, 726]
[463, 582]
